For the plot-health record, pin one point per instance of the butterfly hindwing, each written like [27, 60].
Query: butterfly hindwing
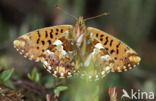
[34, 43]
[98, 62]
[57, 59]
[124, 57]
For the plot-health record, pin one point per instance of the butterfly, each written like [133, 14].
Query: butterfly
[66, 49]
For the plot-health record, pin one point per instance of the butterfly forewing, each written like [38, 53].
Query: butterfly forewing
[123, 56]
[33, 44]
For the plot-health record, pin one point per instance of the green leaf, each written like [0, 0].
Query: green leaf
[47, 80]
[59, 89]
[34, 75]
[9, 84]
[5, 75]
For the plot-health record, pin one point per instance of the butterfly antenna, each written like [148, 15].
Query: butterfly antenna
[103, 14]
[61, 9]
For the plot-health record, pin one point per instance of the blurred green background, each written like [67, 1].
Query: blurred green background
[132, 21]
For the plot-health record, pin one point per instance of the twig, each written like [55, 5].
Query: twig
[31, 86]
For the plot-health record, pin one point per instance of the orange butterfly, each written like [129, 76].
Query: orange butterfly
[64, 49]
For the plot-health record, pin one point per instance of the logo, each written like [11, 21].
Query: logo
[140, 95]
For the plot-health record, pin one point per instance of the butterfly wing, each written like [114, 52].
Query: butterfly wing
[98, 63]
[124, 57]
[58, 59]
[34, 43]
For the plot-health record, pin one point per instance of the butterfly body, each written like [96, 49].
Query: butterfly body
[64, 49]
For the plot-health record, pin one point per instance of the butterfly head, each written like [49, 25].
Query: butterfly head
[80, 25]
[80, 21]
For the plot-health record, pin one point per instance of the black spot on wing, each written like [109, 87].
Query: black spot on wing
[117, 51]
[43, 43]
[101, 35]
[106, 41]
[38, 32]
[57, 29]
[117, 46]
[125, 50]
[51, 33]
[97, 34]
[46, 34]
[106, 49]
[49, 41]
[111, 43]
[38, 47]
[38, 40]
[61, 30]
[112, 51]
